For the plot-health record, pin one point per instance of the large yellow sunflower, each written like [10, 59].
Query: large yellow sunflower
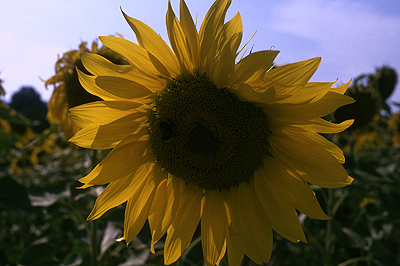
[200, 136]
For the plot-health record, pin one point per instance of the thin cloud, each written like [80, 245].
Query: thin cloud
[351, 36]
[344, 31]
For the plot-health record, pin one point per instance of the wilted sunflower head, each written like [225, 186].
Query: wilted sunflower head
[366, 106]
[201, 134]
[68, 92]
[385, 80]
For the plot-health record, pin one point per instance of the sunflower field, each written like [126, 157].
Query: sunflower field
[187, 155]
[43, 214]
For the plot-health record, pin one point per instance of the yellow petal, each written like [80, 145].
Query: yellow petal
[234, 249]
[136, 56]
[179, 42]
[128, 155]
[138, 206]
[123, 88]
[105, 112]
[233, 207]
[213, 227]
[255, 224]
[89, 84]
[293, 113]
[238, 243]
[184, 224]
[341, 89]
[154, 44]
[323, 142]
[209, 30]
[252, 68]
[100, 66]
[164, 207]
[118, 192]
[278, 205]
[257, 246]
[157, 208]
[189, 29]
[232, 32]
[302, 196]
[320, 125]
[95, 136]
[246, 93]
[288, 79]
[311, 92]
[220, 67]
[315, 164]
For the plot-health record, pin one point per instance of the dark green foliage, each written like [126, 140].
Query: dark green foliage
[27, 102]
[43, 215]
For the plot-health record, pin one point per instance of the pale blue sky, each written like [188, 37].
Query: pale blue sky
[351, 36]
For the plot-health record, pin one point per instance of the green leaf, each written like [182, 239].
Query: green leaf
[39, 254]
[75, 260]
[111, 233]
[46, 197]
[6, 140]
[16, 119]
[13, 196]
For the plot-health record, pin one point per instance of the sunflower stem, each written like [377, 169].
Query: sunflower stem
[328, 235]
[180, 262]
[94, 242]
[94, 251]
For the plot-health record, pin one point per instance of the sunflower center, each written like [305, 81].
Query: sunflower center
[205, 135]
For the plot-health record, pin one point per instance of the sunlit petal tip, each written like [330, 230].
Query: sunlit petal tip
[348, 123]
[343, 88]
[316, 61]
[151, 41]
[84, 186]
[349, 180]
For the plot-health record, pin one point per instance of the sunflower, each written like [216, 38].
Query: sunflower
[67, 91]
[198, 136]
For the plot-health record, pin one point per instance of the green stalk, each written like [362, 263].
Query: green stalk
[328, 234]
[94, 253]
[94, 240]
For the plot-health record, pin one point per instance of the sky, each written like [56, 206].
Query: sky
[352, 37]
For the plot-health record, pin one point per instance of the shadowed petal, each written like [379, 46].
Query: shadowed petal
[179, 42]
[164, 207]
[184, 224]
[315, 164]
[213, 227]
[278, 205]
[128, 155]
[138, 206]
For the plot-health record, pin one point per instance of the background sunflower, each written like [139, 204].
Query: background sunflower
[68, 92]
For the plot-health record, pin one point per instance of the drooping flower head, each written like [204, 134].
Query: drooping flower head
[68, 92]
[199, 136]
